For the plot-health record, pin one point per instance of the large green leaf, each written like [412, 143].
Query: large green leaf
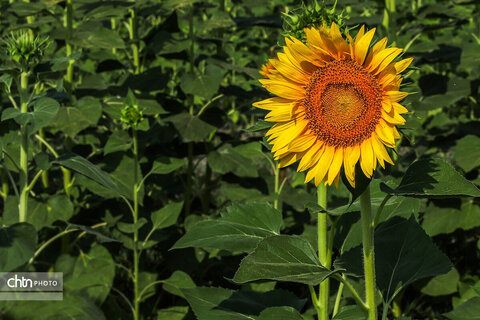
[44, 111]
[92, 274]
[433, 178]
[469, 310]
[230, 159]
[220, 304]
[178, 280]
[240, 228]
[467, 153]
[83, 166]
[403, 254]
[17, 245]
[282, 258]
[190, 128]
[85, 113]
[279, 313]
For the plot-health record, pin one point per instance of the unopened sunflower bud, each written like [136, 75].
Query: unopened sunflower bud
[26, 50]
[311, 15]
[131, 116]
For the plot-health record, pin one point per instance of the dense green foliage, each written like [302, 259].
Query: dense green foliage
[144, 153]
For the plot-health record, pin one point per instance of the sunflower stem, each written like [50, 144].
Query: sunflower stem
[23, 173]
[136, 297]
[277, 187]
[368, 253]
[323, 251]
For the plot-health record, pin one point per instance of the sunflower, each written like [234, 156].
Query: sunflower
[336, 103]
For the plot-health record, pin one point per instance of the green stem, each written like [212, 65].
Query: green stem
[23, 203]
[136, 297]
[368, 253]
[41, 133]
[277, 187]
[68, 23]
[323, 294]
[189, 182]
[4, 176]
[338, 299]
[113, 24]
[133, 32]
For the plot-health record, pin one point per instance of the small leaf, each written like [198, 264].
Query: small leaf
[178, 280]
[131, 227]
[350, 313]
[241, 228]
[83, 166]
[167, 216]
[260, 125]
[18, 243]
[433, 178]
[203, 85]
[164, 165]
[118, 141]
[44, 111]
[190, 128]
[282, 258]
[467, 153]
[280, 313]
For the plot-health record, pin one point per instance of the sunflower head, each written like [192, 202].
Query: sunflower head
[336, 103]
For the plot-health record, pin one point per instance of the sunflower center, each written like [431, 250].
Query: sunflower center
[343, 103]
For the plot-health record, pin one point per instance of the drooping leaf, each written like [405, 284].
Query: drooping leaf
[282, 258]
[83, 166]
[350, 313]
[18, 243]
[433, 178]
[403, 254]
[173, 313]
[283, 313]
[164, 165]
[240, 228]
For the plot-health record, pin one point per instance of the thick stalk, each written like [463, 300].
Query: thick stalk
[368, 253]
[23, 202]
[323, 251]
[133, 30]
[136, 297]
[4, 177]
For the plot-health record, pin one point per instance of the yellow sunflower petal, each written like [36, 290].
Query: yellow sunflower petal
[283, 89]
[302, 143]
[323, 164]
[274, 103]
[311, 157]
[380, 151]
[393, 117]
[385, 132]
[396, 96]
[402, 65]
[361, 48]
[399, 108]
[367, 158]
[334, 169]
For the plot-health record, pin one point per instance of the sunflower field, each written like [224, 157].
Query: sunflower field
[241, 159]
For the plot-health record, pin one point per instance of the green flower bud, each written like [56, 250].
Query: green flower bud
[311, 15]
[131, 116]
[26, 50]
